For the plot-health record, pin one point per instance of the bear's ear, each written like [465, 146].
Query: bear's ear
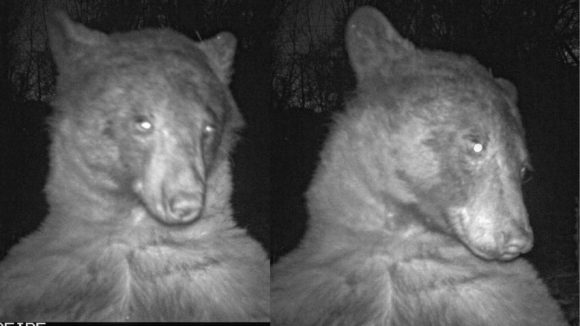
[68, 39]
[220, 52]
[371, 40]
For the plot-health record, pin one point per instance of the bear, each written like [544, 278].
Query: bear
[416, 214]
[140, 224]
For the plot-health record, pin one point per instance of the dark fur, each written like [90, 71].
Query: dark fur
[140, 225]
[416, 213]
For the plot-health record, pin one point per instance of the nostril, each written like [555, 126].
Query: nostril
[515, 244]
[184, 207]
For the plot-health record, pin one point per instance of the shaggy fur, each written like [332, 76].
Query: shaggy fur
[140, 225]
[416, 213]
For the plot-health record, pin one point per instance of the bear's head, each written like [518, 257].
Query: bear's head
[443, 140]
[143, 116]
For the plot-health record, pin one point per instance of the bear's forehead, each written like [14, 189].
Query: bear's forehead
[146, 52]
[442, 97]
[152, 40]
[483, 113]
[180, 97]
[167, 74]
[190, 67]
[455, 99]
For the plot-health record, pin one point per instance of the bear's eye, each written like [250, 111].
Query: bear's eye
[208, 133]
[142, 124]
[526, 173]
[209, 129]
[476, 145]
[209, 142]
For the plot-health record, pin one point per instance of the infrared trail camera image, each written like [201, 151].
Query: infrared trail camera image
[140, 225]
[293, 162]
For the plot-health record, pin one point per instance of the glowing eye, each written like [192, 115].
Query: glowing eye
[209, 129]
[143, 124]
[475, 144]
[477, 147]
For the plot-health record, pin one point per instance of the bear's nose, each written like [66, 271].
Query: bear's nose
[515, 242]
[183, 207]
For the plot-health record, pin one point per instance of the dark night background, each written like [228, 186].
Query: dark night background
[291, 75]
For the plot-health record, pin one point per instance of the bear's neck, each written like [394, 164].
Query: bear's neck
[354, 192]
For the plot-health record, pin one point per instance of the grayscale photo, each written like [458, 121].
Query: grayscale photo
[289, 162]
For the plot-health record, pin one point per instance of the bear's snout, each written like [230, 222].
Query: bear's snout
[515, 241]
[183, 207]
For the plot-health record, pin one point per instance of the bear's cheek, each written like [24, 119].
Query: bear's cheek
[134, 157]
[445, 182]
[97, 149]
